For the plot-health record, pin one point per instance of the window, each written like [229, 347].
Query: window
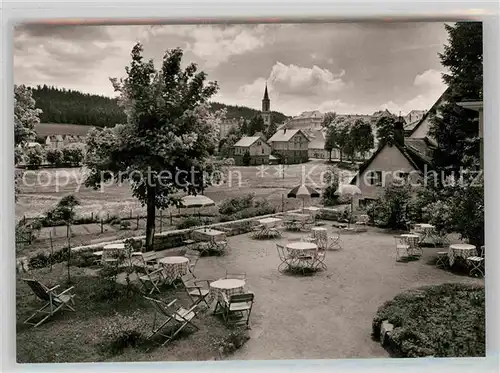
[375, 178]
[403, 176]
[262, 150]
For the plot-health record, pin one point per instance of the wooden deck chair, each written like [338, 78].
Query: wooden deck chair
[236, 307]
[320, 259]
[151, 280]
[196, 289]
[193, 257]
[166, 314]
[55, 301]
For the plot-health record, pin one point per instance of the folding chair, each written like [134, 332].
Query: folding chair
[237, 305]
[334, 242]
[55, 302]
[476, 263]
[181, 316]
[151, 280]
[442, 259]
[193, 257]
[283, 255]
[320, 259]
[148, 260]
[402, 245]
[194, 291]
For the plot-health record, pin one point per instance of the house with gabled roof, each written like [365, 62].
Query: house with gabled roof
[256, 147]
[290, 145]
[402, 161]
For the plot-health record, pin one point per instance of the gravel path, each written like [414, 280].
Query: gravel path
[327, 315]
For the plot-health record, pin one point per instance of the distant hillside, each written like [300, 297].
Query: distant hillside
[235, 112]
[62, 106]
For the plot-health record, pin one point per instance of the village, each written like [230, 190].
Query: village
[189, 229]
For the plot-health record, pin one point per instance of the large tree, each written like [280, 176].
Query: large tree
[385, 128]
[362, 136]
[455, 128]
[169, 135]
[26, 116]
[256, 125]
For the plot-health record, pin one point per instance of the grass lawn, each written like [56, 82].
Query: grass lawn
[86, 335]
[327, 315]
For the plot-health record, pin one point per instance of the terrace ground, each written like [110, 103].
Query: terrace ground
[327, 315]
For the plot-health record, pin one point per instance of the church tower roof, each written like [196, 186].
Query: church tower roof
[266, 95]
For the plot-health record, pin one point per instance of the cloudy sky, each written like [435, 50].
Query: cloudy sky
[342, 67]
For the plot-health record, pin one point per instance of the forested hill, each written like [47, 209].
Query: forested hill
[235, 112]
[61, 105]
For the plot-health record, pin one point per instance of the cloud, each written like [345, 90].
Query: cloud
[430, 87]
[215, 44]
[338, 106]
[429, 78]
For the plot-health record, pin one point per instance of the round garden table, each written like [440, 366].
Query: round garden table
[460, 250]
[174, 267]
[297, 249]
[228, 286]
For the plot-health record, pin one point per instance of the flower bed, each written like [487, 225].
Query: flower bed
[446, 320]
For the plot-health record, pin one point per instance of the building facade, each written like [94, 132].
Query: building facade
[256, 147]
[291, 146]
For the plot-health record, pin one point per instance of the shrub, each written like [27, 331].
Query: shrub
[122, 332]
[42, 260]
[189, 222]
[73, 154]
[446, 320]
[54, 157]
[124, 224]
[233, 341]
[233, 205]
[34, 156]
[391, 210]
[329, 197]
[246, 159]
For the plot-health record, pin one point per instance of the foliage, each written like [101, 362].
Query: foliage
[26, 115]
[256, 125]
[332, 184]
[328, 119]
[233, 205]
[233, 341]
[246, 159]
[123, 331]
[189, 222]
[54, 156]
[61, 105]
[446, 320]
[456, 128]
[73, 154]
[42, 260]
[226, 145]
[169, 133]
[385, 128]
[271, 130]
[391, 210]
[362, 136]
[34, 156]
[253, 208]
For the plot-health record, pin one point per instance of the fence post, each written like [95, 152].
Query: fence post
[102, 226]
[171, 218]
[108, 216]
[282, 202]
[137, 227]
[130, 214]
[92, 216]
[161, 221]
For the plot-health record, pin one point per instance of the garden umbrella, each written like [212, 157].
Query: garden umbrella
[197, 201]
[303, 191]
[350, 191]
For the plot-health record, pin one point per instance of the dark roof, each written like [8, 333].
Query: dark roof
[432, 109]
[416, 151]
[266, 96]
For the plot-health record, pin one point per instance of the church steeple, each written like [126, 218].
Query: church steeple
[266, 103]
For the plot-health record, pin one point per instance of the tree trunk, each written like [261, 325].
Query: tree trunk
[150, 218]
[340, 156]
